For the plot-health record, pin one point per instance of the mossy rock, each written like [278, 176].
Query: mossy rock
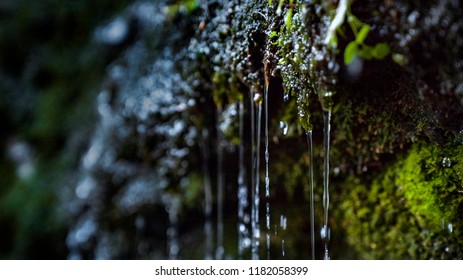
[409, 211]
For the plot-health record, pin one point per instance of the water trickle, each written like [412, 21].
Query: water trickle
[243, 233]
[267, 155]
[326, 176]
[267, 222]
[268, 216]
[312, 212]
[283, 247]
[256, 123]
[283, 224]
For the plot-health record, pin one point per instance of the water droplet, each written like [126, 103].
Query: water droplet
[257, 98]
[328, 93]
[268, 216]
[283, 222]
[355, 68]
[312, 216]
[326, 257]
[285, 96]
[284, 127]
[325, 233]
[446, 163]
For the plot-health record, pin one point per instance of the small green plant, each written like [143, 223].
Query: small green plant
[358, 46]
[289, 11]
[360, 30]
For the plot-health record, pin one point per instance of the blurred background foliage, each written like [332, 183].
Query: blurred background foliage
[50, 69]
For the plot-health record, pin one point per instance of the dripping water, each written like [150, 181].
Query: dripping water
[283, 224]
[207, 195]
[220, 189]
[243, 234]
[285, 96]
[312, 213]
[267, 155]
[253, 179]
[283, 247]
[256, 199]
[267, 221]
[325, 232]
[284, 127]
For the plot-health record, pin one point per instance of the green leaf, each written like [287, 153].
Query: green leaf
[354, 23]
[366, 52]
[288, 18]
[380, 51]
[273, 34]
[280, 7]
[363, 33]
[350, 52]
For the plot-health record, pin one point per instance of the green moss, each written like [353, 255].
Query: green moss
[405, 212]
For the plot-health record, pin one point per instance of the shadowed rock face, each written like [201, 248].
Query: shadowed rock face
[168, 107]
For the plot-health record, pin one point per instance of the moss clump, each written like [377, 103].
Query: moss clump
[410, 211]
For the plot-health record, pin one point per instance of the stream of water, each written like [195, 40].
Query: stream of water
[256, 196]
[267, 156]
[325, 231]
[312, 211]
[243, 217]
